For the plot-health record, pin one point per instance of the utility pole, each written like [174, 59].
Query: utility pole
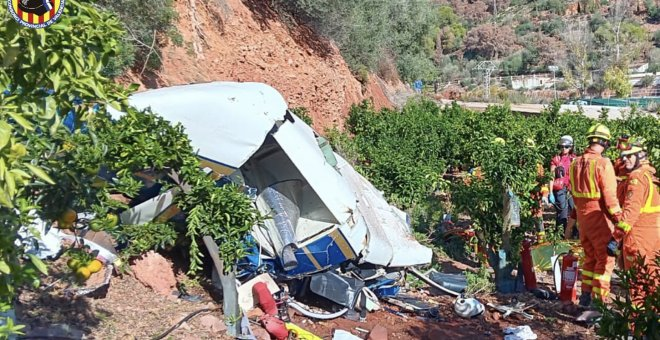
[554, 69]
[487, 67]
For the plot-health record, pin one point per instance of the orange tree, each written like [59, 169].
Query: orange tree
[406, 152]
[49, 169]
[43, 71]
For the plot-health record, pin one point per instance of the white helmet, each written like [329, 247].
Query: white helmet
[468, 307]
[566, 141]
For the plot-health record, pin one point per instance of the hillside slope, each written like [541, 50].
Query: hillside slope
[238, 40]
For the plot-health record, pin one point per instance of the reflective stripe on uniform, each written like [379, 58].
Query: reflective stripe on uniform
[602, 277]
[571, 177]
[624, 226]
[586, 277]
[593, 188]
[614, 211]
[648, 207]
[600, 292]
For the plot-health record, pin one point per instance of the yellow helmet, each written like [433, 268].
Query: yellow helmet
[636, 146]
[599, 131]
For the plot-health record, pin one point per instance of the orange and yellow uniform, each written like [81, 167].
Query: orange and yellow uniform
[594, 186]
[640, 221]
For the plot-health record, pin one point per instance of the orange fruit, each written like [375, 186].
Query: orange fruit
[67, 218]
[94, 266]
[83, 273]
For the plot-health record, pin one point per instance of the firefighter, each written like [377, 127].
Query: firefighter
[560, 186]
[623, 143]
[639, 227]
[593, 186]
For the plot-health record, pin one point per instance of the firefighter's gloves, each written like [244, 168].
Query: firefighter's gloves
[619, 232]
[613, 248]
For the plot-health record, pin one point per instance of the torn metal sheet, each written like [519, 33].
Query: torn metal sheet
[390, 242]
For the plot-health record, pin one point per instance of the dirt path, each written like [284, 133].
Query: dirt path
[128, 310]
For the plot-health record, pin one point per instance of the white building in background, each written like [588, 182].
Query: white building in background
[532, 82]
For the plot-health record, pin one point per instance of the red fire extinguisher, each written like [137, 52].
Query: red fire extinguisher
[528, 265]
[569, 274]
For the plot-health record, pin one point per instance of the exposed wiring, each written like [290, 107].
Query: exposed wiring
[320, 316]
[188, 317]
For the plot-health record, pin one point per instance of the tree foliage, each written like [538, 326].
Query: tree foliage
[56, 134]
[148, 24]
[408, 154]
[366, 31]
[490, 41]
[616, 79]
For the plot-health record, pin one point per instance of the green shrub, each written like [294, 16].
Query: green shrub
[479, 282]
[554, 6]
[513, 65]
[553, 27]
[364, 30]
[654, 60]
[656, 38]
[620, 319]
[303, 113]
[597, 21]
[144, 21]
[418, 66]
[647, 81]
[652, 11]
[524, 28]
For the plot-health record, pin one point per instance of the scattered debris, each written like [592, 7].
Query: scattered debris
[518, 308]
[519, 333]
[454, 282]
[340, 334]
[301, 333]
[589, 316]
[468, 307]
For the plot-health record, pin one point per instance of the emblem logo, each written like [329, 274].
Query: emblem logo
[35, 13]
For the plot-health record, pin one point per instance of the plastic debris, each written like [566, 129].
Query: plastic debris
[300, 333]
[455, 282]
[518, 308]
[519, 333]
[341, 334]
[468, 307]
[337, 288]
[246, 299]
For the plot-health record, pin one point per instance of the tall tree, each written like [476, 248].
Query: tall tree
[576, 67]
